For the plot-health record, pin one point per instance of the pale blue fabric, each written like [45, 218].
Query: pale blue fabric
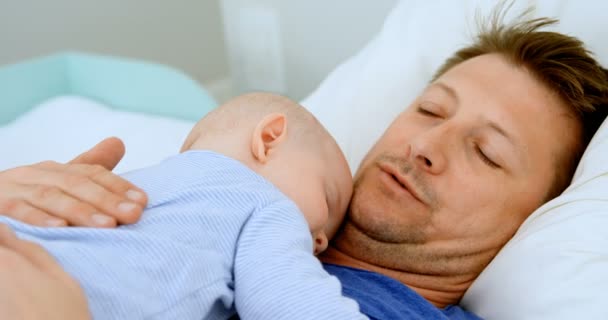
[215, 236]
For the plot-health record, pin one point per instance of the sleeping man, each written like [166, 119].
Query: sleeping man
[496, 133]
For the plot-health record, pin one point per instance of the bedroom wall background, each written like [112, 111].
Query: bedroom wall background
[214, 41]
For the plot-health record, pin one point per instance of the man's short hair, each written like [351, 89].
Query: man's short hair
[560, 62]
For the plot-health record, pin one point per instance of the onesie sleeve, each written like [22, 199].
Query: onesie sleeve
[278, 277]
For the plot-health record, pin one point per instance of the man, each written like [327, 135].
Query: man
[497, 133]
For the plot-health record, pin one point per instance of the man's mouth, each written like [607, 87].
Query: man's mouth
[401, 180]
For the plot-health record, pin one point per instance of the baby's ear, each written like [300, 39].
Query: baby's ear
[268, 134]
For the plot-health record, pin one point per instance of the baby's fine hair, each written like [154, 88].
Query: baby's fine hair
[253, 107]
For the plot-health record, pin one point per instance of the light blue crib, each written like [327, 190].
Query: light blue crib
[125, 84]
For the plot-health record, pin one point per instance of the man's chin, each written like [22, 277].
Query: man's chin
[386, 225]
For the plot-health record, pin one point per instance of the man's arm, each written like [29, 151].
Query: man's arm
[83, 192]
[278, 277]
[33, 285]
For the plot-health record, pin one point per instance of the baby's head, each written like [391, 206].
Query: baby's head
[284, 143]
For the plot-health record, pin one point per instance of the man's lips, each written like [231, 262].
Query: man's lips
[401, 180]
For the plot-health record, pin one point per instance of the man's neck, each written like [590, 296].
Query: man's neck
[441, 295]
[439, 289]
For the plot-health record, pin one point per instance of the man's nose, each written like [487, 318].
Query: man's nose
[429, 148]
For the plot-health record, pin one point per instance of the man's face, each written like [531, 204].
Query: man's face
[455, 174]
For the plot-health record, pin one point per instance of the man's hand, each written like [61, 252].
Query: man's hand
[33, 285]
[83, 192]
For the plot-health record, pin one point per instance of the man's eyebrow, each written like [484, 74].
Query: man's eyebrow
[493, 125]
[449, 90]
[496, 127]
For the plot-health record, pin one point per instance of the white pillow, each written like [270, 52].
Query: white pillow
[61, 128]
[556, 266]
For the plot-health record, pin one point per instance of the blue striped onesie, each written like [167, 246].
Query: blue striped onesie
[215, 238]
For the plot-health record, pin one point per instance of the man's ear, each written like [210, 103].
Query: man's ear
[268, 134]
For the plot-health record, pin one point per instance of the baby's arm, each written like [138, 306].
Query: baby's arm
[278, 277]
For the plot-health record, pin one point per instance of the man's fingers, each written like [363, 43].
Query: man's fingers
[125, 201]
[107, 154]
[23, 211]
[95, 185]
[43, 188]
[59, 204]
[84, 192]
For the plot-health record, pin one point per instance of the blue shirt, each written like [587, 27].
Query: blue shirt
[383, 298]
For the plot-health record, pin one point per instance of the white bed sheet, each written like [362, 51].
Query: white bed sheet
[62, 127]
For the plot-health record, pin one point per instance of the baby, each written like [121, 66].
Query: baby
[231, 224]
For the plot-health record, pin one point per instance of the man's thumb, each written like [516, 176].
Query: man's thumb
[107, 153]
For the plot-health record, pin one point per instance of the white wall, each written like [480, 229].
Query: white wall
[313, 37]
[186, 34]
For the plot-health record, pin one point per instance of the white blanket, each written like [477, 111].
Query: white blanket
[62, 127]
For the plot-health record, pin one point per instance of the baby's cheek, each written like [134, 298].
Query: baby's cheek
[320, 219]
[315, 223]
[331, 228]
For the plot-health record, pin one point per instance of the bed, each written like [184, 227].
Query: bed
[556, 266]
[81, 98]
